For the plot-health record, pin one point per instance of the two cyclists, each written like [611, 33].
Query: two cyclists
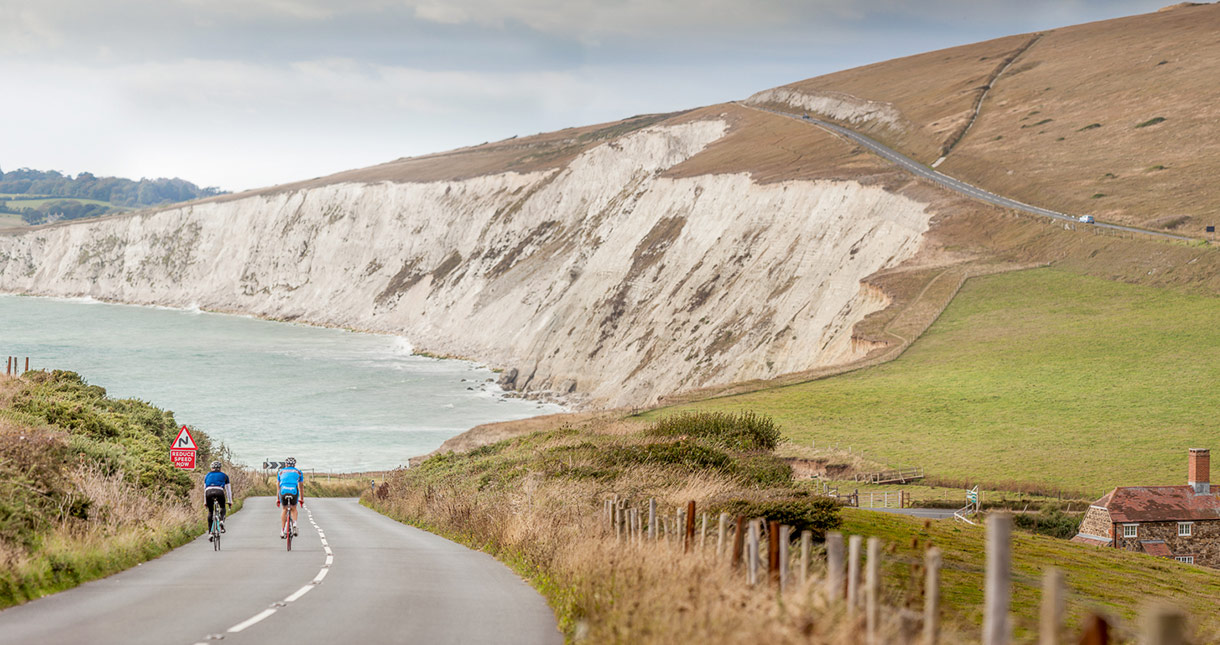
[217, 492]
[291, 493]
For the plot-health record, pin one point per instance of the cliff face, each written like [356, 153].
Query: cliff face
[603, 279]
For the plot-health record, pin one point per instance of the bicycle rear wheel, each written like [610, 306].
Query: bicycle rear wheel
[288, 533]
[216, 535]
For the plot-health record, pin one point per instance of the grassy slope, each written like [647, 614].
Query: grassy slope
[1117, 582]
[88, 490]
[1038, 375]
[1030, 140]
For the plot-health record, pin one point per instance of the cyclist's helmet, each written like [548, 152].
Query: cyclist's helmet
[291, 461]
[215, 465]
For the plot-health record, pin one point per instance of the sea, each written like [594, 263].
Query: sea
[336, 400]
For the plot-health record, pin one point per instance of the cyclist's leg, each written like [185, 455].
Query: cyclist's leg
[283, 513]
[295, 502]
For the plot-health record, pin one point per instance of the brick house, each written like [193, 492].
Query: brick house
[1179, 522]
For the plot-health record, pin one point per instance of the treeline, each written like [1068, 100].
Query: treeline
[119, 192]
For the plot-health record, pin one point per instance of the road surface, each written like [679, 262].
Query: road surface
[920, 170]
[386, 583]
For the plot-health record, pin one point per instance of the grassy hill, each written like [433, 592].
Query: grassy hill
[1042, 376]
[87, 486]
[1105, 118]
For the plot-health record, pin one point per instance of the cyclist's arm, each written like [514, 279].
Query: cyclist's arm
[229, 492]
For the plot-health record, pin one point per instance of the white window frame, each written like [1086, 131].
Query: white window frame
[1189, 526]
[1131, 530]
[1185, 559]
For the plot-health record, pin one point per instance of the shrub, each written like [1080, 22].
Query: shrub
[686, 454]
[764, 469]
[818, 514]
[1091, 126]
[1152, 121]
[744, 431]
[1053, 522]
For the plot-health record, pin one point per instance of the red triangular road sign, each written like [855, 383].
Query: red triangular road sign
[184, 441]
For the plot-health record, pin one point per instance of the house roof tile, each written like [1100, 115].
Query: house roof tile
[1159, 504]
[1157, 548]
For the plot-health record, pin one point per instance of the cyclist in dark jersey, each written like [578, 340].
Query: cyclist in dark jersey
[216, 492]
[291, 492]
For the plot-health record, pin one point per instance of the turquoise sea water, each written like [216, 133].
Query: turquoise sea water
[336, 400]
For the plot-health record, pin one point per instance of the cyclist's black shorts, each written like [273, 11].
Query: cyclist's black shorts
[288, 499]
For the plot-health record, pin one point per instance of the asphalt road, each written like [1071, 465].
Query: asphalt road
[920, 170]
[354, 577]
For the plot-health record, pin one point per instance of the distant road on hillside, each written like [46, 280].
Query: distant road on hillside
[358, 577]
[920, 170]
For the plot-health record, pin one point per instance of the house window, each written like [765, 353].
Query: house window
[1188, 559]
[1131, 530]
[1184, 529]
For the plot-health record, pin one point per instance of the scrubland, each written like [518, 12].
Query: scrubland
[537, 502]
[86, 488]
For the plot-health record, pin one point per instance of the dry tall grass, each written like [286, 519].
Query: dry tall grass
[542, 515]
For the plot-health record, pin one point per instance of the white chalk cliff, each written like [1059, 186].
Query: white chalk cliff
[603, 280]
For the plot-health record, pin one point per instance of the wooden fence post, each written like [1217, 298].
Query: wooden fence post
[931, 598]
[872, 591]
[721, 533]
[703, 533]
[689, 539]
[738, 541]
[27, 363]
[785, 537]
[652, 519]
[997, 629]
[806, 547]
[752, 565]
[773, 553]
[1052, 607]
[1096, 631]
[853, 573]
[834, 565]
[1164, 625]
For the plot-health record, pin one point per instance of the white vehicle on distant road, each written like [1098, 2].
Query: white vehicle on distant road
[1085, 219]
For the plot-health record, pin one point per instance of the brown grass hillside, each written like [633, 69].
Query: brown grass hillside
[1060, 127]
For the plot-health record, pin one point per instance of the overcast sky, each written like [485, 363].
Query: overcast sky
[247, 93]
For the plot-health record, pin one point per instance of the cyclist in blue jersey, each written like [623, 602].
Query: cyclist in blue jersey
[216, 492]
[291, 492]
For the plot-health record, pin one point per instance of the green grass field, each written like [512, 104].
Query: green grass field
[1117, 582]
[1038, 376]
[9, 219]
[18, 201]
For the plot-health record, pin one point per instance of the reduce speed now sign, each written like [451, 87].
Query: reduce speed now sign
[182, 450]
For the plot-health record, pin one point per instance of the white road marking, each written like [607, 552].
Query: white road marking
[296, 595]
[250, 621]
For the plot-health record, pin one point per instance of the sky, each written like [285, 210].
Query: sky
[249, 93]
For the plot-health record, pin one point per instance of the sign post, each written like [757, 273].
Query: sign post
[182, 451]
[972, 497]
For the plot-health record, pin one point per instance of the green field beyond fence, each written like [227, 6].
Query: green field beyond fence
[1040, 376]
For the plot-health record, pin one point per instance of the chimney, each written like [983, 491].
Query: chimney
[1200, 471]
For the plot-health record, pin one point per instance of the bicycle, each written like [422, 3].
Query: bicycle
[216, 531]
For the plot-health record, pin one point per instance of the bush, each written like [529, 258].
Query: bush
[764, 469]
[744, 431]
[116, 434]
[685, 454]
[817, 514]
[1054, 522]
